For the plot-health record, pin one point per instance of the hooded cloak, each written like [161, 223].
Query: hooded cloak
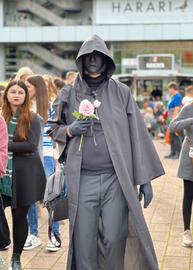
[130, 147]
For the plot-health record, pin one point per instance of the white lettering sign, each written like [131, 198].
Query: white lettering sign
[129, 62]
[155, 65]
[144, 11]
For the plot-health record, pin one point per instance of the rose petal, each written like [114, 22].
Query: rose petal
[86, 108]
[97, 103]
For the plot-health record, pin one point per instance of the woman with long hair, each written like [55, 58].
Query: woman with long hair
[39, 104]
[183, 122]
[51, 89]
[54, 242]
[24, 181]
[42, 95]
[38, 95]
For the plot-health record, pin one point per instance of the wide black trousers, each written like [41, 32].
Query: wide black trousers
[175, 143]
[102, 213]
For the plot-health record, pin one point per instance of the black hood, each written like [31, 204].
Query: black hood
[95, 43]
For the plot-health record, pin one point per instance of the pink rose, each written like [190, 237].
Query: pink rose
[97, 103]
[86, 108]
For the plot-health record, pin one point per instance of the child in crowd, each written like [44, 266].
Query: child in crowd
[188, 98]
[150, 120]
[58, 83]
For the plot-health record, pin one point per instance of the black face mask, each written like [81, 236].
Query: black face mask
[93, 63]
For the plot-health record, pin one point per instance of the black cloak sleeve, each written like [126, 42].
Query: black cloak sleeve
[146, 162]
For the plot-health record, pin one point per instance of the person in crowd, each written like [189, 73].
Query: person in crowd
[173, 107]
[24, 181]
[158, 112]
[150, 121]
[156, 94]
[39, 97]
[38, 104]
[158, 109]
[3, 146]
[184, 122]
[23, 73]
[148, 103]
[4, 230]
[54, 244]
[70, 77]
[58, 83]
[2, 88]
[104, 158]
[51, 89]
[188, 98]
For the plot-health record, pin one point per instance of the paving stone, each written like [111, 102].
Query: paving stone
[177, 262]
[163, 216]
[178, 251]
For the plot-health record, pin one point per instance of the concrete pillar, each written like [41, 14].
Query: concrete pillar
[2, 53]
[1, 13]
[2, 63]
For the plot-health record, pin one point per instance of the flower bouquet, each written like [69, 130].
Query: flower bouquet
[86, 111]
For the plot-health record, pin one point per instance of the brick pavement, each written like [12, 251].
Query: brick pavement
[164, 219]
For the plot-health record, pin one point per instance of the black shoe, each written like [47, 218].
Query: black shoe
[176, 156]
[15, 262]
[4, 248]
[170, 155]
[5, 245]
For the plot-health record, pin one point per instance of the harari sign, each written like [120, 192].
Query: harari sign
[144, 11]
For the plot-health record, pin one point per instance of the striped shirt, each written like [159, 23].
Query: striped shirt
[47, 141]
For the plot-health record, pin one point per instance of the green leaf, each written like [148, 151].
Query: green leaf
[80, 116]
[77, 115]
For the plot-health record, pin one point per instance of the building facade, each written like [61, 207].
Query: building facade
[46, 35]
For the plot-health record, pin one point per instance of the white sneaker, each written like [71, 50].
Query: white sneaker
[53, 245]
[2, 263]
[5, 248]
[32, 242]
[187, 239]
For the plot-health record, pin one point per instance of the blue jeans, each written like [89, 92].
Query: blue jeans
[49, 167]
[33, 219]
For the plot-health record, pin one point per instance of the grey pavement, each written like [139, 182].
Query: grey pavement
[163, 216]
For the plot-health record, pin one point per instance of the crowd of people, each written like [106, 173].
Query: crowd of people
[26, 105]
[157, 117]
[175, 121]
[101, 147]
[153, 114]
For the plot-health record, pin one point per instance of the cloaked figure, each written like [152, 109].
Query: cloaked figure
[107, 227]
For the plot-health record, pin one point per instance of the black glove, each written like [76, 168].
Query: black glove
[79, 127]
[146, 191]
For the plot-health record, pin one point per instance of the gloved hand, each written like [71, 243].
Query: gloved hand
[79, 127]
[146, 191]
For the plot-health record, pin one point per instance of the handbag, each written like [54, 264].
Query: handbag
[55, 198]
[61, 209]
[190, 150]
